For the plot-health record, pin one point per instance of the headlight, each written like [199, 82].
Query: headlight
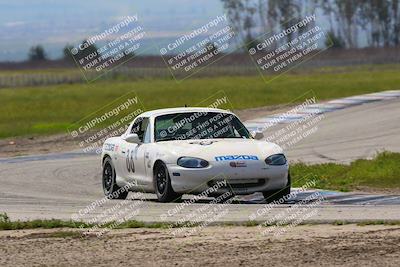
[277, 159]
[189, 162]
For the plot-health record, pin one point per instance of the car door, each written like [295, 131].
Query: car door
[135, 153]
[141, 152]
[126, 153]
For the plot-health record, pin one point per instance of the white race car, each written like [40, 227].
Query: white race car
[179, 151]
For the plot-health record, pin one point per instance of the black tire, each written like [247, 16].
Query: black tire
[275, 195]
[162, 184]
[110, 187]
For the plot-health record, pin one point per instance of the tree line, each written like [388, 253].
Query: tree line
[352, 23]
[37, 52]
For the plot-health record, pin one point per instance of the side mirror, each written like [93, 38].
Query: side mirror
[257, 135]
[132, 138]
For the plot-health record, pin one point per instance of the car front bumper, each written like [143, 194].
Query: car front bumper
[254, 177]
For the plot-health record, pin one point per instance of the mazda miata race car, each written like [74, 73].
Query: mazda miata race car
[179, 151]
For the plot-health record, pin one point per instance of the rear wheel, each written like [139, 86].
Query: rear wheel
[162, 184]
[275, 195]
[110, 187]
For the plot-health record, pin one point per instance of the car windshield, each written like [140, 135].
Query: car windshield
[198, 125]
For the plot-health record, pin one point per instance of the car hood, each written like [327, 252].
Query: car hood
[221, 149]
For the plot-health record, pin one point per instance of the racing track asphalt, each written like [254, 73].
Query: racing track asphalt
[59, 185]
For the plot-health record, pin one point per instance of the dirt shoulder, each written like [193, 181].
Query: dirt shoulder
[34, 145]
[318, 245]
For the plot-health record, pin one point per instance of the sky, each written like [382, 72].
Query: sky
[54, 23]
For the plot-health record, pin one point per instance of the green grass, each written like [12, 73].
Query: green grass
[7, 224]
[54, 224]
[51, 109]
[380, 172]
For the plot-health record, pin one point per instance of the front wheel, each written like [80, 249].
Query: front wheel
[110, 187]
[275, 195]
[162, 184]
